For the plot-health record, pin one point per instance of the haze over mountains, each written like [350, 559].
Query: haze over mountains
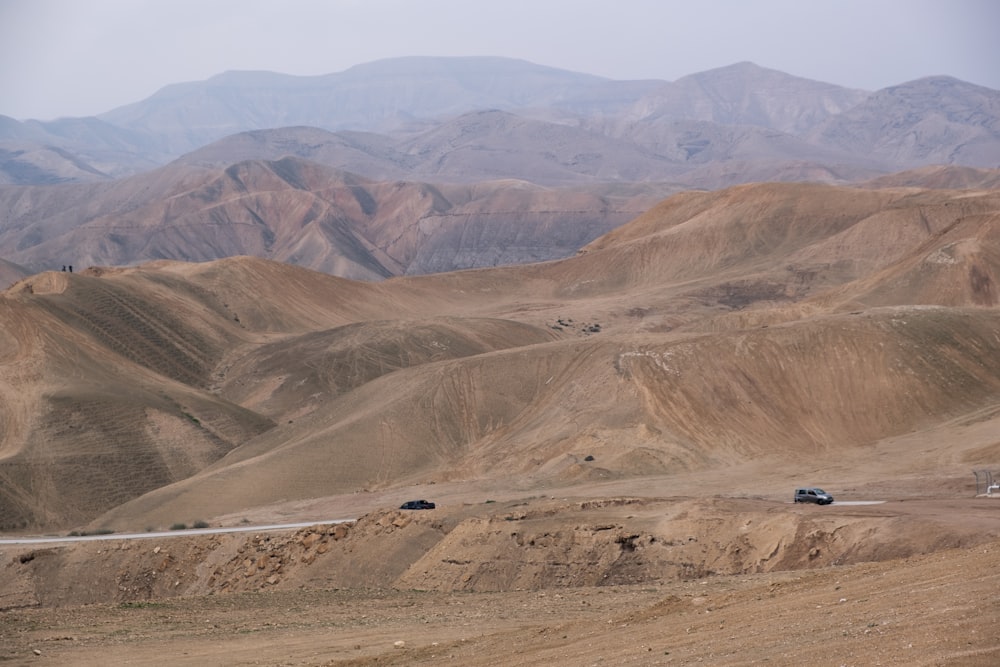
[721, 115]
[421, 165]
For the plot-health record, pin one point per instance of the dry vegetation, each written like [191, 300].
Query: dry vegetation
[612, 441]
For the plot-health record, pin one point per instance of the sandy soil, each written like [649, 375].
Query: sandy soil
[935, 610]
[611, 579]
[619, 494]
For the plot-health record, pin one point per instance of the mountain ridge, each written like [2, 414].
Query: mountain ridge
[301, 212]
[400, 98]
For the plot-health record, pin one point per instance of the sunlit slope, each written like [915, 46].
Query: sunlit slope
[296, 375]
[823, 386]
[805, 330]
[119, 381]
[777, 322]
[750, 255]
[960, 266]
[805, 237]
[773, 252]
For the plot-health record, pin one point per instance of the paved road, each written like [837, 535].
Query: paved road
[843, 502]
[168, 533]
[858, 502]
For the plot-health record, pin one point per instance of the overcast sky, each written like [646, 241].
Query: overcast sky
[84, 57]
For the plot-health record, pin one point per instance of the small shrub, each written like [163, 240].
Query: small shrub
[179, 526]
[200, 524]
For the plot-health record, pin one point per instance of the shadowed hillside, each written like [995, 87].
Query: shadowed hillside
[790, 326]
[102, 396]
[299, 212]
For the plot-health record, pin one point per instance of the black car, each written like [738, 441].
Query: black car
[417, 505]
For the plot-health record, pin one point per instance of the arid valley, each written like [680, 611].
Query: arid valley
[611, 440]
[608, 338]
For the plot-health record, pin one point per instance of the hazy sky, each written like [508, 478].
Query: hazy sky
[83, 57]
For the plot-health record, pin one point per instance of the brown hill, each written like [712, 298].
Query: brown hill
[716, 330]
[610, 437]
[103, 395]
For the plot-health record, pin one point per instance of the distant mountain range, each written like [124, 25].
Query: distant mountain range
[468, 119]
[427, 165]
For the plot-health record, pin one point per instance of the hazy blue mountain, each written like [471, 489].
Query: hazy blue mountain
[417, 118]
[73, 149]
[934, 120]
[746, 94]
[378, 96]
[375, 156]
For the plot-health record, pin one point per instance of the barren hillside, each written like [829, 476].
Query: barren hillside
[614, 435]
[299, 212]
[716, 329]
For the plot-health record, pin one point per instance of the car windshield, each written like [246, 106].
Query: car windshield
[819, 490]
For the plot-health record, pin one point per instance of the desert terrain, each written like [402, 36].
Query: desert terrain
[611, 439]
[542, 580]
